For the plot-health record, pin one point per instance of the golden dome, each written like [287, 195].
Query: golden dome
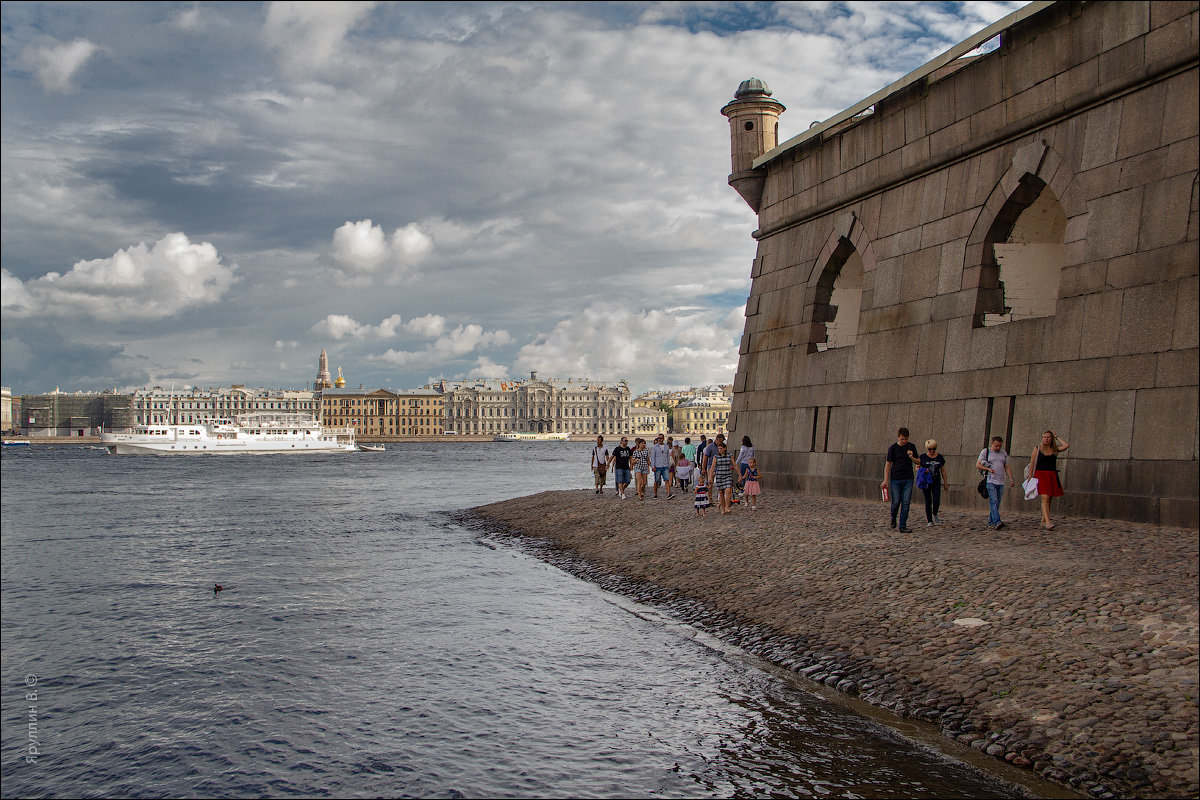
[340, 382]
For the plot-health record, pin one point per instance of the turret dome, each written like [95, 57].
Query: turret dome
[752, 87]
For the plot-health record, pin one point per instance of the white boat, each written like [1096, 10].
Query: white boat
[262, 432]
[531, 437]
[371, 448]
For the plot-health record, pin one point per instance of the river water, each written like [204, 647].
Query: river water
[367, 645]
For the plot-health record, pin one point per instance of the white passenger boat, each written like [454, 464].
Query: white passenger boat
[262, 432]
[531, 437]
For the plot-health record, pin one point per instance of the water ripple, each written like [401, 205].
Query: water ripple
[365, 645]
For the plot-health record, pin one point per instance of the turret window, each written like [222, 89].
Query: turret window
[749, 125]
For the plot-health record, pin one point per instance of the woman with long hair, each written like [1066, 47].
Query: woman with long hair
[1043, 465]
[743, 460]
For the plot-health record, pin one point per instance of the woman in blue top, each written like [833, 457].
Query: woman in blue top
[936, 465]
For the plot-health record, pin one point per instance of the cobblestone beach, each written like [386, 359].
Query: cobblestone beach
[1071, 652]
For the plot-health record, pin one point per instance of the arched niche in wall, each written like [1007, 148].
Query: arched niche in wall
[838, 291]
[1017, 248]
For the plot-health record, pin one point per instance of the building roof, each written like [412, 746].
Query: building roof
[362, 392]
[702, 402]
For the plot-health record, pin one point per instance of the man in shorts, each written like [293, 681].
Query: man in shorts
[620, 463]
[600, 459]
[660, 462]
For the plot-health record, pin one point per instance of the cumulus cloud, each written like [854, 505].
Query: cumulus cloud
[360, 252]
[137, 283]
[512, 154]
[429, 326]
[461, 341]
[55, 64]
[684, 347]
[486, 369]
[341, 326]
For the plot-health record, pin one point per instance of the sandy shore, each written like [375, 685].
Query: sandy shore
[1071, 652]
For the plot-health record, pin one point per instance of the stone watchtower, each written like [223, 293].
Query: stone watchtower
[753, 130]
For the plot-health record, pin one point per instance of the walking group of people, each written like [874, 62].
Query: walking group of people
[931, 477]
[707, 464]
[715, 472]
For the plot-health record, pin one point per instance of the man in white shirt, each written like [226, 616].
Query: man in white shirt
[660, 462]
[600, 464]
[994, 461]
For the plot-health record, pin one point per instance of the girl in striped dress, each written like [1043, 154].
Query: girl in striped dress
[721, 477]
[701, 495]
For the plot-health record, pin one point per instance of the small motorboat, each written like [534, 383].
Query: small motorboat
[370, 448]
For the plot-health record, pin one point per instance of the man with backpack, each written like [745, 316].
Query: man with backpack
[600, 461]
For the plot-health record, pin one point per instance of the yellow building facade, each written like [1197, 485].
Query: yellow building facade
[384, 412]
[701, 415]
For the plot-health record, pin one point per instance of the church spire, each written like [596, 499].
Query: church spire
[323, 380]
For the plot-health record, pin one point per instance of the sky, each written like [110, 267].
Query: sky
[203, 194]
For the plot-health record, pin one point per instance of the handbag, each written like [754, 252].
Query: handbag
[983, 492]
[924, 478]
[1031, 488]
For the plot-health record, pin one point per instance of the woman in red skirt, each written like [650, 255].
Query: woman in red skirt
[1043, 464]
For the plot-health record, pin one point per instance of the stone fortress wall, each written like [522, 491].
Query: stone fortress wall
[1004, 245]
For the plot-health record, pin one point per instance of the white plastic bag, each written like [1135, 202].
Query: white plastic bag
[1030, 486]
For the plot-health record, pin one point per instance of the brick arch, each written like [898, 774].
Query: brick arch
[1034, 168]
[847, 238]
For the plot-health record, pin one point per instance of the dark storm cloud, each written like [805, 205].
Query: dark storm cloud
[39, 359]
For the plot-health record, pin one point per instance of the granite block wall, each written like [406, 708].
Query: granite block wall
[1094, 103]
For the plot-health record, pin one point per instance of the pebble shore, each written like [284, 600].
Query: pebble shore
[1072, 652]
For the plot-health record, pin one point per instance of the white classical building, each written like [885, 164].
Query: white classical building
[182, 406]
[6, 409]
[536, 406]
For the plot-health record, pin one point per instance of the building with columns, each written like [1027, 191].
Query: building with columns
[998, 243]
[385, 412]
[536, 406]
[6, 409]
[158, 406]
[704, 414]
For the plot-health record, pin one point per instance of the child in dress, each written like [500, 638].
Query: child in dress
[701, 496]
[753, 488]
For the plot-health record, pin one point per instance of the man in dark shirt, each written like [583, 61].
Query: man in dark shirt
[620, 462]
[898, 476]
[710, 452]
